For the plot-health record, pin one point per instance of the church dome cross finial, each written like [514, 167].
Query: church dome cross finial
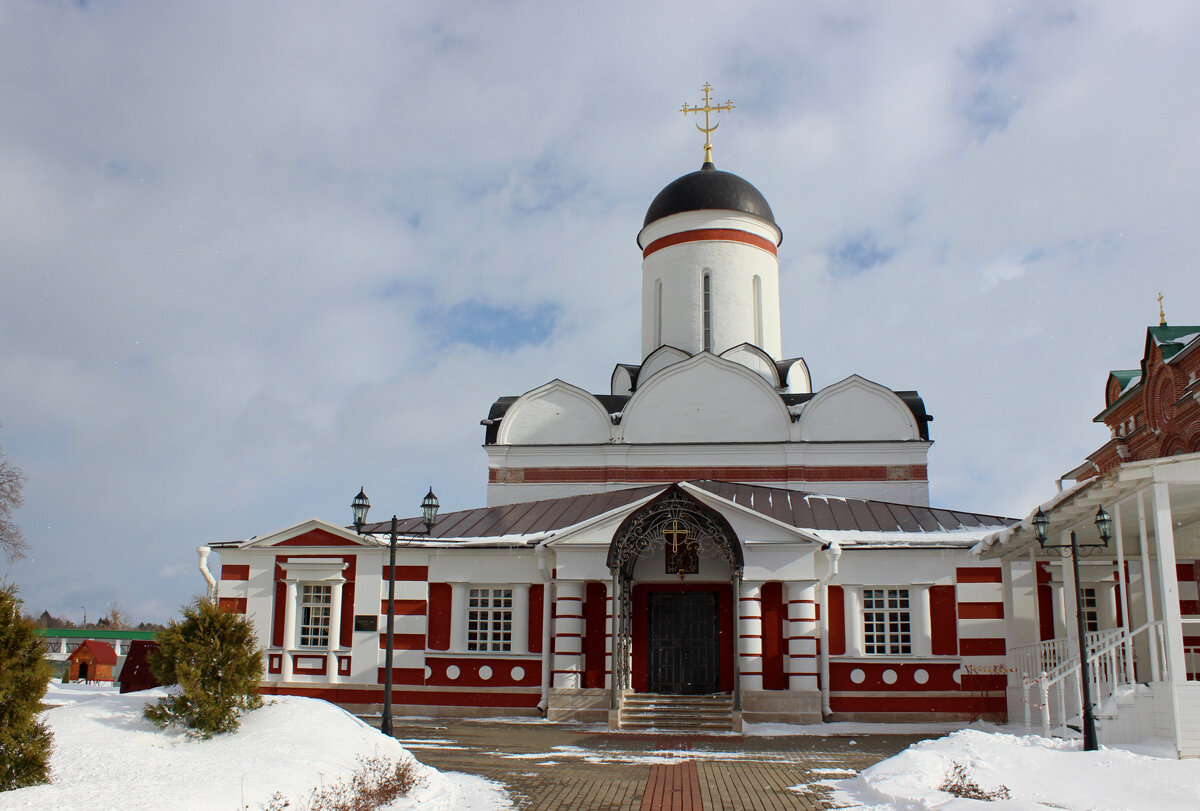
[707, 129]
[1162, 316]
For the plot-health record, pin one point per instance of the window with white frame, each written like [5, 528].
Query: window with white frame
[1091, 610]
[887, 622]
[489, 619]
[315, 601]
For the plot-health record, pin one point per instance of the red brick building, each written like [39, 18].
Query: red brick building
[1154, 410]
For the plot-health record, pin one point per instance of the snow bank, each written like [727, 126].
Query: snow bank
[1039, 773]
[107, 755]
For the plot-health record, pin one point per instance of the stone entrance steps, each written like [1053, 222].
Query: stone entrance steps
[674, 712]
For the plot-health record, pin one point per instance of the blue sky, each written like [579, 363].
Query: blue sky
[257, 255]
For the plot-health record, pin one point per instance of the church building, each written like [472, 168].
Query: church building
[709, 541]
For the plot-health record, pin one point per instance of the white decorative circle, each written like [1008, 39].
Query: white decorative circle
[452, 672]
[517, 673]
[957, 676]
[920, 675]
[889, 676]
[858, 675]
[485, 672]
[428, 671]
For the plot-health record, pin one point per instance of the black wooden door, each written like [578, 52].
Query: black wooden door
[683, 642]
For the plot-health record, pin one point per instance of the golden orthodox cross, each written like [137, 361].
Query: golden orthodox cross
[706, 109]
[675, 533]
[1162, 317]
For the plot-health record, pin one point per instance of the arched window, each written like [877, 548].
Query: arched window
[758, 312]
[658, 313]
[706, 298]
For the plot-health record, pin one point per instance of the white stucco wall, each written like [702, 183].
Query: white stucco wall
[732, 266]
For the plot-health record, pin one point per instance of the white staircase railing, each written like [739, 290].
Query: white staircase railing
[1048, 670]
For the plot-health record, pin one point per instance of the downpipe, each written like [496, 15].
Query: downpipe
[203, 552]
[544, 567]
[833, 554]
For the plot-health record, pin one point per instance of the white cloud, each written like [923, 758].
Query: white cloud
[227, 231]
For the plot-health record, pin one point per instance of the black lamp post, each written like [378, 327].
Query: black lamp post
[359, 507]
[1041, 531]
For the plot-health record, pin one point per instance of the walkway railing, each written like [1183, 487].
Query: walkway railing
[1050, 675]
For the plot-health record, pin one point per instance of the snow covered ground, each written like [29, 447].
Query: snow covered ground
[106, 755]
[1040, 773]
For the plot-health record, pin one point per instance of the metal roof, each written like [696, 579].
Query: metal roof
[791, 507]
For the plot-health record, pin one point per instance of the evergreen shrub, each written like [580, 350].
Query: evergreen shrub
[25, 741]
[213, 656]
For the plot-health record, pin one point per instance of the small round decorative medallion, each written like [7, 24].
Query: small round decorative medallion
[858, 675]
[452, 672]
[485, 672]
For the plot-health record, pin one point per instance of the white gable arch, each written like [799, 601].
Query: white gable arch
[856, 409]
[705, 399]
[660, 359]
[797, 377]
[754, 358]
[555, 414]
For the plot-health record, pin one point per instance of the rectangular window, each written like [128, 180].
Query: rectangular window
[887, 622]
[489, 619]
[314, 615]
[1091, 610]
[706, 294]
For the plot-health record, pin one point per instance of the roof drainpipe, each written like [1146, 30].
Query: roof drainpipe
[544, 568]
[833, 554]
[203, 552]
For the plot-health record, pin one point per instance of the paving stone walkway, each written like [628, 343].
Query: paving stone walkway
[551, 767]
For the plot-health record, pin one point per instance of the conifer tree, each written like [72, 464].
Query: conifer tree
[24, 739]
[213, 656]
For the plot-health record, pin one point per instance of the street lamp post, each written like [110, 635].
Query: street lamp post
[1041, 531]
[359, 507]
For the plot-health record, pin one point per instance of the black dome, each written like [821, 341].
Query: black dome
[709, 188]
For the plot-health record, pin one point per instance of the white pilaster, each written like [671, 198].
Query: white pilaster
[922, 636]
[335, 630]
[853, 620]
[520, 618]
[289, 629]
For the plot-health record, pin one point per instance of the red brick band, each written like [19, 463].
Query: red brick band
[664, 475]
[711, 235]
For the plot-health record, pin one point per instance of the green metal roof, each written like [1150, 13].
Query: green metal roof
[1172, 339]
[84, 633]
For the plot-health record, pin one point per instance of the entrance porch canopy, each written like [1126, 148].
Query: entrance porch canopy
[1155, 506]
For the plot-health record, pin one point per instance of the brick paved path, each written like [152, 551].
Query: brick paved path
[550, 767]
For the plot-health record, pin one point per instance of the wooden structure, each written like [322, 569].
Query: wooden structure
[93, 660]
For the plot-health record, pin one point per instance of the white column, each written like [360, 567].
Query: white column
[289, 630]
[853, 620]
[335, 630]
[1164, 536]
[802, 632]
[568, 634]
[918, 612]
[1148, 585]
[750, 647]
[520, 618]
[1070, 592]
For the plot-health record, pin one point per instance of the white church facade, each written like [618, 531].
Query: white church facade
[709, 530]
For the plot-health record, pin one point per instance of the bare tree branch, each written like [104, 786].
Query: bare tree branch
[12, 540]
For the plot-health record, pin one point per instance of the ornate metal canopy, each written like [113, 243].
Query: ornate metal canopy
[678, 523]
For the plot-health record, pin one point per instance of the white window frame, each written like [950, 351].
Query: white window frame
[313, 616]
[887, 621]
[706, 309]
[490, 618]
